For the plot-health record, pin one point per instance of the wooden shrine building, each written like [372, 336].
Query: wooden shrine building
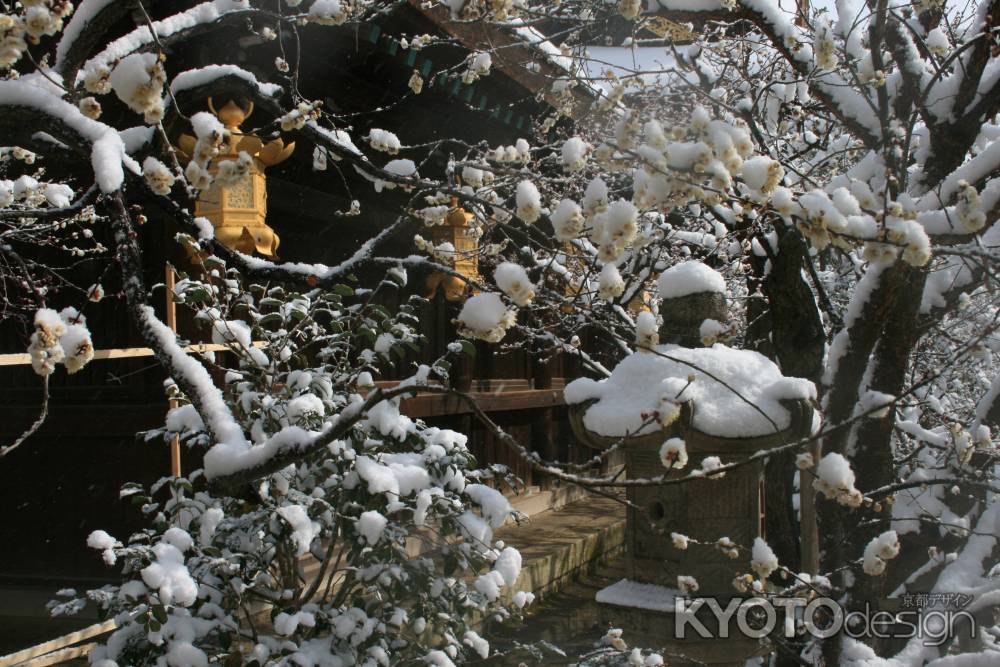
[64, 481]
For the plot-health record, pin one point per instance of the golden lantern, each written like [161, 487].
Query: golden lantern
[238, 211]
[464, 238]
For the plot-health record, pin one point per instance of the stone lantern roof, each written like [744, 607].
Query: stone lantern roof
[732, 395]
[727, 394]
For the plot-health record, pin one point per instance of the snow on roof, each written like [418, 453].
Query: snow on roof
[641, 379]
[537, 39]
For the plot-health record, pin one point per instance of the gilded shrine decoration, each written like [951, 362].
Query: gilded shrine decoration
[464, 239]
[238, 211]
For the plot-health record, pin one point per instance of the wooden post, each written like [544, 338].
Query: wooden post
[543, 422]
[808, 518]
[175, 444]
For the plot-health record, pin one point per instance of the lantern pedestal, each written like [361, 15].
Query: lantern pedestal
[646, 612]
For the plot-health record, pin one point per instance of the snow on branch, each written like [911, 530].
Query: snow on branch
[204, 76]
[976, 170]
[794, 42]
[83, 26]
[228, 466]
[196, 381]
[142, 37]
[107, 151]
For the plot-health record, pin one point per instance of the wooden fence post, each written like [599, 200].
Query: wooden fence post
[175, 444]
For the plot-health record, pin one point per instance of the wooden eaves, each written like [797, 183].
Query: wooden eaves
[526, 65]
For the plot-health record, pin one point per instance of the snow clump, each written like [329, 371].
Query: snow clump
[883, 548]
[485, 317]
[673, 454]
[513, 280]
[138, 82]
[59, 338]
[529, 203]
[763, 560]
[835, 480]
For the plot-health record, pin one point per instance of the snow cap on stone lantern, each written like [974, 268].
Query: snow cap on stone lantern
[691, 293]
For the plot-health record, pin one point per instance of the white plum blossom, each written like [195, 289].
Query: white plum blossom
[673, 453]
[610, 282]
[687, 585]
[513, 280]
[968, 211]
[574, 154]
[59, 338]
[937, 42]
[529, 205]
[567, 220]
[762, 174]
[764, 562]
[835, 480]
[157, 175]
[478, 65]
[328, 12]
[485, 316]
[880, 549]
[646, 331]
[383, 140]
[138, 82]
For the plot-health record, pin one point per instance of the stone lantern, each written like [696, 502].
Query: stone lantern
[238, 212]
[725, 404]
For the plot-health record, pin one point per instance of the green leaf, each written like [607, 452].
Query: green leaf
[342, 290]
[213, 263]
[271, 318]
[160, 613]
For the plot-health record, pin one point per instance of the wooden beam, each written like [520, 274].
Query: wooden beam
[23, 358]
[436, 405]
[33, 653]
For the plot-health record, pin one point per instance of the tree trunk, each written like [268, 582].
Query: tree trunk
[797, 339]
